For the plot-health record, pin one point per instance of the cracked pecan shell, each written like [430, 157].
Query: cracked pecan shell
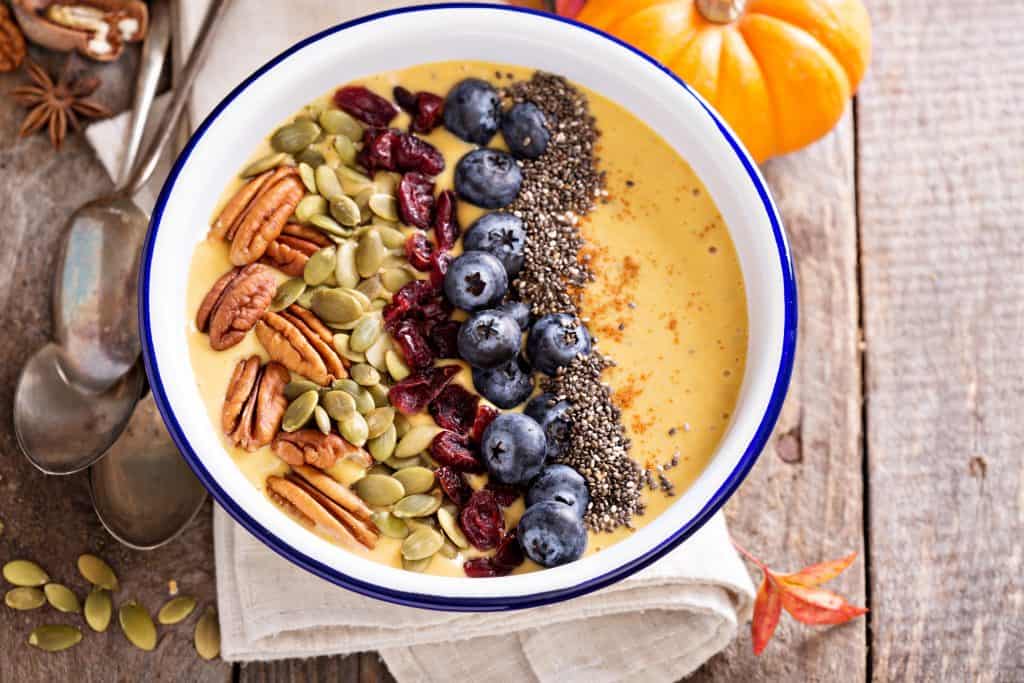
[255, 403]
[313, 447]
[234, 304]
[298, 340]
[255, 217]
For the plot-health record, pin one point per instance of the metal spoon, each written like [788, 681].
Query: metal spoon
[95, 297]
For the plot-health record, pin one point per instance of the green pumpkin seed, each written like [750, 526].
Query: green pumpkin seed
[341, 345]
[345, 272]
[402, 463]
[450, 525]
[353, 428]
[363, 300]
[385, 206]
[338, 404]
[298, 387]
[309, 206]
[320, 266]
[329, 225]
[389, 525]
[337, 305]
[346, 149]
[421, 544]
[371, 287]
[375, 357]
[346, 385]
[287, 293]
[382, 446]
[365, 402]
[137, 625]
[308, 176]
[417, 523]
[54, 637]
[305, 299]
[310, 156]
[396, 366]
[345, 211]
[365, 375]
[176, 609]
[394, 279]
[62, 598]
[98, 609]
[362, 200]
[416, 440]
[352, 181]
[299, 411]
[417, 565]
[416, 480]
[365, 333]
[379, 419]
[24, 598]
[402, 424]
[338, 122]
[380, 490]
[379, 394]
[386, 182]
[328, 184]
[25, 573]
[323, 421]
[428, 461]
[207, 635]
[417, 504]
[449, 550]
[266, 163]
[295, 136]
[393, 238]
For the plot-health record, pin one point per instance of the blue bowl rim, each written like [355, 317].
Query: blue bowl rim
[446, 603]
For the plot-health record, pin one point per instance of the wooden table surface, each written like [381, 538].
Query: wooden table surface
[902, 436]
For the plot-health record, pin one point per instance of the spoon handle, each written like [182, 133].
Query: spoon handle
[169, 122]
[154, 53]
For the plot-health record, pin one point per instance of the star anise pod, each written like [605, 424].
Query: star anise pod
[56, 104]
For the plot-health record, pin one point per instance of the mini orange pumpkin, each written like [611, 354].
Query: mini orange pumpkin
[779, 71]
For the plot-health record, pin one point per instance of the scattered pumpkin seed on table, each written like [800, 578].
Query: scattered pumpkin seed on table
[137, 625]
[62, 598]
[25, 573]
[379, 489]
[24, 598]
[98, 609]
[54, 637]
[176, 609]
[207, 635]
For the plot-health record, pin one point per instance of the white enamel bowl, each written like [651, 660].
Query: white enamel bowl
[402, 38]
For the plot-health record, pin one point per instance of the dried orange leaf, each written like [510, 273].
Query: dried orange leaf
[767, 610]
[818, 606]
[820, 573]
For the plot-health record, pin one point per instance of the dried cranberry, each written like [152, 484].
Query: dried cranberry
[378, 152]
[406, 100]
[453, 484]
[418, 251]
[413, 344]
[439, 263]
[415, 154]
[416, 199]
[455, 409]
[509, 554]
[414, 393]
[451, 449]
[505, 495]
[485, 415]
[429, 110]
[480, 568]
[437, 310]
[443, 338]
[481, 520]
[368, 107]
[446, 221]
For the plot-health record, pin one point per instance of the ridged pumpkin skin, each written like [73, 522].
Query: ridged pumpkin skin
[780, 75]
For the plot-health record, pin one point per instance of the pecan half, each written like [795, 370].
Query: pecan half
[317, 511]
[290, 251]
[254, 403]
[234, 304]
[97, 29]
[257, 214]
[298, 340]
[313, 447]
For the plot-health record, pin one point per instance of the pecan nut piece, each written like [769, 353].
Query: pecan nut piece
[12, 43]
[298, 340]
[255, 403]
[257, 214]
[313, 447]
[290, 251]
[97, 29]
[235, 303]
[317, 511]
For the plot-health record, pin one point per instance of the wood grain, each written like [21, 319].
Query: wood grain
[803, 501]
[940, 173]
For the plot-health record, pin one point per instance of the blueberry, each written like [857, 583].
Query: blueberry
[475, 280]
[488, 178]
[489, 338]
[507, 385]
[513, 449]
[555, 341]
[550, 414]
[472, 111]
[502, 235]
[519, 311]
[561, 484]
[551, 534]
[525, 130]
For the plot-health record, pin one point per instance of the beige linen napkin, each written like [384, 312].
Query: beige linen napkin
[658, 625]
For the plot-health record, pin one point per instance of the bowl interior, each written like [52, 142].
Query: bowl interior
[409, 37]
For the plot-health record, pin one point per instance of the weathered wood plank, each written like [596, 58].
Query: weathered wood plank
[803, 501]
[940, 177]
[302, 670]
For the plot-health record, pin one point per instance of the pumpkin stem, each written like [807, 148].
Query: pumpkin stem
[721, 11]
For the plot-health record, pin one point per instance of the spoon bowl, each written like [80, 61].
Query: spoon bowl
[61, 427]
